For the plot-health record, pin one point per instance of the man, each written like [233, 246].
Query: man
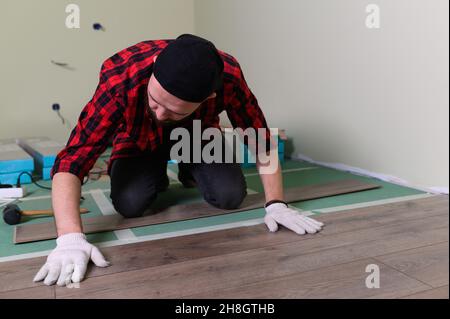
[144, 92]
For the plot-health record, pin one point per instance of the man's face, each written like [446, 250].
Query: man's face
[165, 107]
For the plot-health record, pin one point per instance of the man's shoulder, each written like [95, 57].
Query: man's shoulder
[232, 72]
[228, 59]
[138, 52]
[120, 72]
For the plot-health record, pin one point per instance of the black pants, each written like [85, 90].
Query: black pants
[136, 181]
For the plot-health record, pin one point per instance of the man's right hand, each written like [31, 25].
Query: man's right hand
[68, 261]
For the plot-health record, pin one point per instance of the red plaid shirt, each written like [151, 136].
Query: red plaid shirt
[118, 110]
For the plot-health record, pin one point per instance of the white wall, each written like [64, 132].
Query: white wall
[33, 32]
[375, 99]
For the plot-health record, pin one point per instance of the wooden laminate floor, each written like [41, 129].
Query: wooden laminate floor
[408, 241]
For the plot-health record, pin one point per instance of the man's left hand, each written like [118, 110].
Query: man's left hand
[280, 213]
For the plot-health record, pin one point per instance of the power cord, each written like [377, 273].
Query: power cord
[38, 185]
[56, 107]
[32, 180]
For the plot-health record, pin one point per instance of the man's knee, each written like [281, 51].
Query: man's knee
[227, 198]
[131, 204]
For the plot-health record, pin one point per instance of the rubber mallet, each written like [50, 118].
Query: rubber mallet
[12, 213]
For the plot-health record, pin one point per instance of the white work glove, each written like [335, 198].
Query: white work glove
[280, 213]
[68, 261]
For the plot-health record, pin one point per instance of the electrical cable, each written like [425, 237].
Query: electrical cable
[56, 107]
[41, 186]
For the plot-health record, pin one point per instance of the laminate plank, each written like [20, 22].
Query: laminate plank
[427, 264]
[172, 250]
[41, 292]
[336, 282]
[44, 231]
[357, 218]
[435, 293]
[246, 238]
[220, 272]
[19, 274]
[156, 252]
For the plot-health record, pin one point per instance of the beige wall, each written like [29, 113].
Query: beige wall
[375, 99]
[33, 32]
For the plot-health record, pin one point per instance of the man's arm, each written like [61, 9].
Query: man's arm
[68, 262]
[277, 211]
[97, 123]
[66, 192]
[244, 112]
[272, 183]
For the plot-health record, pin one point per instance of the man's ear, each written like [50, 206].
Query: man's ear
[154, 58]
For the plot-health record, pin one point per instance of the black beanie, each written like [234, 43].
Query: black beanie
[189, 68]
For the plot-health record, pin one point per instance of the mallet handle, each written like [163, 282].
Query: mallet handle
[46, 212]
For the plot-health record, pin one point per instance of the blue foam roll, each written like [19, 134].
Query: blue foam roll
[42, 149]
[13, 158]
[45, 173]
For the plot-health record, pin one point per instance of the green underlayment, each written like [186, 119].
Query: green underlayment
[177, 194]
